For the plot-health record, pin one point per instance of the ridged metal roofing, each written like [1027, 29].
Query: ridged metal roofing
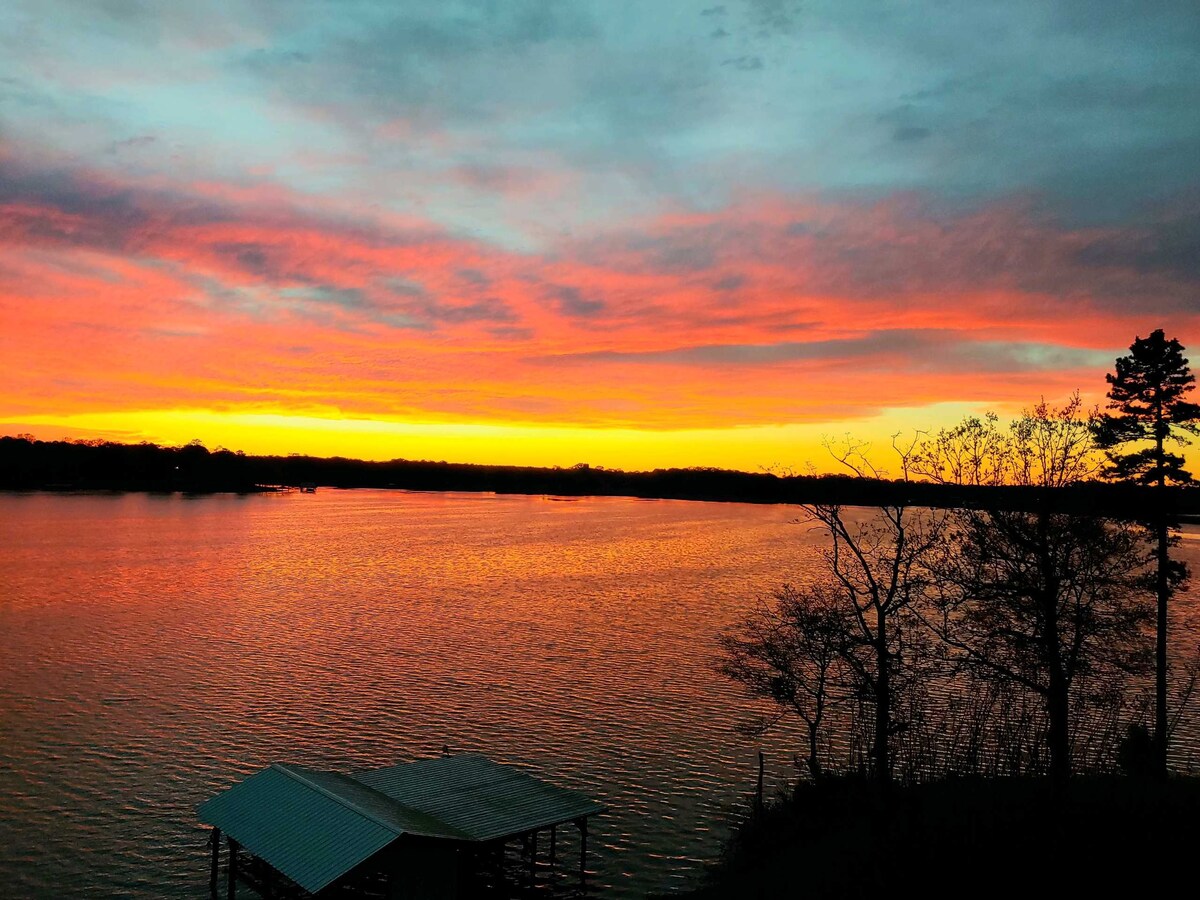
[370, 802]
[312, 826]
[472, 794]
[316, 826]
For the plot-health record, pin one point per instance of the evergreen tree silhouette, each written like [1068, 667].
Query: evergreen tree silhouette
[1148, 395]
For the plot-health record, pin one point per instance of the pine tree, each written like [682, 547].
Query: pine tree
[1148, 395]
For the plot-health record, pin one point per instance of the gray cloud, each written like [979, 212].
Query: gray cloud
[745, 63]
[253, 258]
[910, 133]
[396, 60]
[775, 15]
[1091, 104]
[729, 282]
[1170, 248]
[511, 333]
[132, 143]
[406, 288]
[330, 295]
[570, 302]
[474, 277]
[915, 350]
[488, 309]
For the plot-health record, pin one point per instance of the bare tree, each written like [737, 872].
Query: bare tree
[1040, 597]
[850, 636]
[1045, 447]
[791, 652]
[877, 568]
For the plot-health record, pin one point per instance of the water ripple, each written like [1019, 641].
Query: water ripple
[154, 649]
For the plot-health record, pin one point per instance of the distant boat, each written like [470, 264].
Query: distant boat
[308, 487]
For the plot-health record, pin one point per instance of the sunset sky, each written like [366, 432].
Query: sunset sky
[634, 234]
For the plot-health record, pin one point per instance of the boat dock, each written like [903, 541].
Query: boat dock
[428, 829]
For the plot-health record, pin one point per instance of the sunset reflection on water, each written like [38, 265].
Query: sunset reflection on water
[155, 648]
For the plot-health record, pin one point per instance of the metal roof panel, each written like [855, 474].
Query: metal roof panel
[304, 832]
[484, 799]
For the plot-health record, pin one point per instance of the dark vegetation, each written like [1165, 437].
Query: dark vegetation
[1109, 836]
[972, 640]
[30, 464]
[974, 680]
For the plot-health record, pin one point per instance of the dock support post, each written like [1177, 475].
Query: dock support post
[215, 841]
[758, 793]
[533, 842]
[553, 838]
[231, 884]
[582, 823]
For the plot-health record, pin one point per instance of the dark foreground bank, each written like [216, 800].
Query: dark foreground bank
[29, 464]
[1109, 836]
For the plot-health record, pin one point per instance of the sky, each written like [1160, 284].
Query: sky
[633, 234]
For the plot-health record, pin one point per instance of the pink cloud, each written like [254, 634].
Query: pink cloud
[121, 295]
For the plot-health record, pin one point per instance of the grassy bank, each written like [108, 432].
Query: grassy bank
[1107, 836]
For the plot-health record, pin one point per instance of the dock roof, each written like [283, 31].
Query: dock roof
[316, 826]
[484, 799]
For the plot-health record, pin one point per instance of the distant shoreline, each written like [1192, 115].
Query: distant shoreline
[63, 466]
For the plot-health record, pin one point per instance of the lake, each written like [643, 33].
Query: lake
[153, 649]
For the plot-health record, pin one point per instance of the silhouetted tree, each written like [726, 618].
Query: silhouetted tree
[791, 652]
[1040, 598]
[876, 567]
[1148, 394]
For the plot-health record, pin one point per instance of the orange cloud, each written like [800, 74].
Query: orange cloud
[118, 296]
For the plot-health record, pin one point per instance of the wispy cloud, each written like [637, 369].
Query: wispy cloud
[728, 214]
[125, 292]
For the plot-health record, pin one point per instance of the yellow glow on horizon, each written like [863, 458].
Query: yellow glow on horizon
[750, 448]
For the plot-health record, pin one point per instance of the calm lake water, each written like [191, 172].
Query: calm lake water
[153, 649]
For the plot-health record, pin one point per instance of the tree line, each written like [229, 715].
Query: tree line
[27, 463]
[30, 464]
[992, 638]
